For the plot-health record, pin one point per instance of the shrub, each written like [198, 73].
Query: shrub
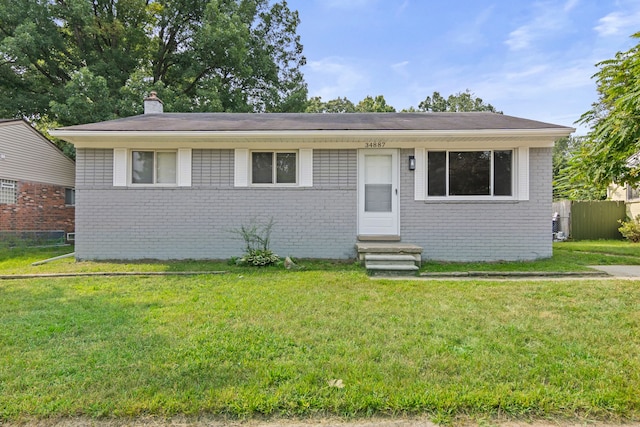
[259, 258]
[257, 237]
[630, 229]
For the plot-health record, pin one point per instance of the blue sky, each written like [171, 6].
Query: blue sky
[531, 59]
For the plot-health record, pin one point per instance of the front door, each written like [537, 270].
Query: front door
[378, 192]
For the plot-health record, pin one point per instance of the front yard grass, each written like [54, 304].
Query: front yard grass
[269, 342]
[567, 256]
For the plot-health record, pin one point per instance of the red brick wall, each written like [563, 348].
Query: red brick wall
[40, 207]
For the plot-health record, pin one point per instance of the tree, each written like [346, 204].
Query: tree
[460, 102]
[338, 105]
[374, 105]
[567, 184]
[57, 56]
[343, 105]
[615, 122]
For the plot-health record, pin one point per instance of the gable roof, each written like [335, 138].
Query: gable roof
[265, 122]
[338, 130]
[28, 155]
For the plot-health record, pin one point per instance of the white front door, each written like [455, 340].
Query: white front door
[378, 193]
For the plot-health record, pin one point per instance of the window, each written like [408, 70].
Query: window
[633, 193]
[273, 167]
[153, 167]
[8, 192]
[469, 173]
[69, 196]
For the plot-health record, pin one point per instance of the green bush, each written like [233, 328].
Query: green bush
[630, 229]
[259, 258]
[257, 237]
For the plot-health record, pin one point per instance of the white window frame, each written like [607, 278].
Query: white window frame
[154, 182]
[123, 164]
[274, 169]
[243, 168]
[8, 192]
[519, 174]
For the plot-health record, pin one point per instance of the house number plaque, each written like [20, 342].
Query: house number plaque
[374, 145]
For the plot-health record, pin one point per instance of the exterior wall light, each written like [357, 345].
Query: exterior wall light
[412, 163]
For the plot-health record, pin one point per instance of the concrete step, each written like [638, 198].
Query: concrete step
[392, 267]
[391, 258]
[392, 270]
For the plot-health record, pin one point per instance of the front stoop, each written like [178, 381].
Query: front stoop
[390, 259]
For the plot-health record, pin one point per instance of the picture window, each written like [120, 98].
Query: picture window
[486, 173]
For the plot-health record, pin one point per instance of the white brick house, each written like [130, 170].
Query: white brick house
[463, 186]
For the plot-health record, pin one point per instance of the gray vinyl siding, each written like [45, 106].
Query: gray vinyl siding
[317, 222]
[335, 168]
[212, 168]
[482, 231]
[29, 156]
[94, 167]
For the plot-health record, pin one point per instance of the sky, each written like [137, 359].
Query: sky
[528, 58]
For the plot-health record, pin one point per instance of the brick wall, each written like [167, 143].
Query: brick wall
[482, 230]
[39, 207]
[318, 222]
[197, 222]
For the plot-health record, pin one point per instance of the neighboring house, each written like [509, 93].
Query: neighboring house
[463, 186]
[626, 193]
[36, 181]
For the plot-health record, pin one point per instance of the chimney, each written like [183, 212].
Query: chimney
[153, 104]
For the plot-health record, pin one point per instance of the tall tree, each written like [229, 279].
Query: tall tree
[567, 184]
[374, 105]
[460, 102]
[337, 105]
[342, 105]
[57, 56]
[615, 122]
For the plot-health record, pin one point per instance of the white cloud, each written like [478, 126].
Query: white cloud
[547, 19]
[472, 33]
[333, 77]
[401, 68]
[570, 5]
[618, 23]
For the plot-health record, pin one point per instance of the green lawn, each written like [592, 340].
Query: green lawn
[269, 342]
[567, 256]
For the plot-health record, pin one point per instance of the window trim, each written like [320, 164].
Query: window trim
[274, 173]
[10, 187]
[516, 166]
[123, 168]
[491, 196]
[155, 182]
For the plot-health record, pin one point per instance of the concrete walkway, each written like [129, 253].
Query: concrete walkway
[619, 271]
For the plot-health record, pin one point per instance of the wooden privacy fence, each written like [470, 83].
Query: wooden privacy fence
[590, 220]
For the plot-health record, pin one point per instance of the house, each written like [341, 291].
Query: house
[626, 193]
[461, 186]
[36, 182]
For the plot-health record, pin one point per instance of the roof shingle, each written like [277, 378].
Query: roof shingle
[314, 122]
